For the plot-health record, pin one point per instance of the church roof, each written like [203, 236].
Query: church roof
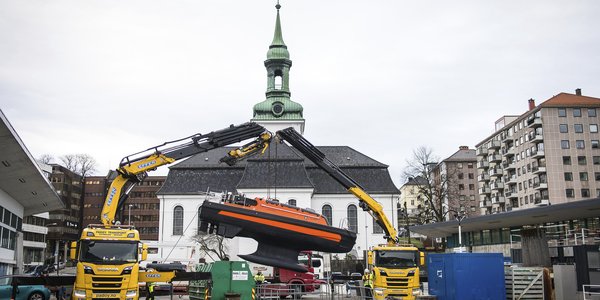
[281, 166]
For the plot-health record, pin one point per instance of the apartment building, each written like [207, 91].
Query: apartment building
[456, 176]
[141, 209]
[548, 155]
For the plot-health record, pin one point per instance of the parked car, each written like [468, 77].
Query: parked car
[24, 292]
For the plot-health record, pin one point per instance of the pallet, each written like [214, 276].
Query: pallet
[524, 283]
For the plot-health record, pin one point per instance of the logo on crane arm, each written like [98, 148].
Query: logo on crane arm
[145, 165]
[111, 196]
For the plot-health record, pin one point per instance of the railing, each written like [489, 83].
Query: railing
[591, 291]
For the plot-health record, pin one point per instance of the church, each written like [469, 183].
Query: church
[281, 173]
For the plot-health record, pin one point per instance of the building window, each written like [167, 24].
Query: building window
[585, 193]
[327, 213]
[459, 165]
[461, 187]
[471, 176]
[580, 144]
[563, 128]
[292, 202]
[470, 165]
[471, 187]
[581, 160]
[593, 128]
[583, 176]
[596, 160]
[578, 128]
[564, 144]
[568, 176]
[376, 227]
[178, 220]
[562, 112]
[570, 193]
[597, 176]
[576, 112]
[591, 112]
[595, 144]
[472, 197]
[461, 175]
[352, 218]
[566, 160]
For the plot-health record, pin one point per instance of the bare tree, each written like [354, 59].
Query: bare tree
[438, 189]
[82, 164]
[45, 159]
[211, 244]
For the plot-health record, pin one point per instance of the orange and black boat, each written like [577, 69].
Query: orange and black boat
[281, 230]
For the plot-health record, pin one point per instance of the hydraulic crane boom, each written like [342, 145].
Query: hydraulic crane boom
[367, 203]
[134, 168]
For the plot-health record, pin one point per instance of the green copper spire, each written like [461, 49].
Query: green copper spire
[278, 106]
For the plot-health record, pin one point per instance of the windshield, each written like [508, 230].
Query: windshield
[108, 252]
[394, 259]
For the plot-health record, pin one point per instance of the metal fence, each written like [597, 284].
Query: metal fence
[341, 290]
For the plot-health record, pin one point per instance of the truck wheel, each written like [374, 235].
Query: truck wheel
[36, 296]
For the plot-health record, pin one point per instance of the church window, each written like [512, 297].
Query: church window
[376, 227]
[178, 220]
[292, 202]
[352, 218]
[327, 213]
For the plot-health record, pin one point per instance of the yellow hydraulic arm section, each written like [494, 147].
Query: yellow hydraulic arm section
[367, 203]
[134, 168]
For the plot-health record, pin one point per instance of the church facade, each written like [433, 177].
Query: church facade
[281, 173]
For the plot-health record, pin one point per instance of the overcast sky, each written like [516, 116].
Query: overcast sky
[110, 78]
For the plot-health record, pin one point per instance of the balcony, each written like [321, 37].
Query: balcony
[511, 179]
[540, 185]
[541, 202]
[481, 151]
[538, 169]
[494, 158]
[495, 172]
[510, 152]
[537, 153]
[483, 177]
[497, 185]
[511, 194]
[498, 199]
[537, 138]
[534, 122]
[485, 204]
[493, 145]
[484, 190]
[482, 164]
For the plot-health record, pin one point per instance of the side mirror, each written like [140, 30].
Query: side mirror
[144, 251]
[370, 258]
[73, 250]
[422, 258]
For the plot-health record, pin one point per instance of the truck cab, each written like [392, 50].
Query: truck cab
[107, 263]
[395, 271]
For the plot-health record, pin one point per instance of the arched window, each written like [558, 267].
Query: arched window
[178, 220]
[278, 79]
[352, 218]
[327, 213]
[292, 202]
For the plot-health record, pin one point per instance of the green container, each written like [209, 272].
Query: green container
[231, 280]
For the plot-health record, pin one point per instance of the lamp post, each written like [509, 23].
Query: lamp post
[459, 216]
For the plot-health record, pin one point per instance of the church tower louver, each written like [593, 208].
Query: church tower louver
[278, 111]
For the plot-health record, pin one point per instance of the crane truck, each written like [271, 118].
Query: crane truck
[395, 265]
[108, 254]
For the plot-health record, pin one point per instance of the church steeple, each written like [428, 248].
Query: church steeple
[278, 111]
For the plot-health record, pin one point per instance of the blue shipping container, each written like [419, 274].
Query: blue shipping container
[466, 276]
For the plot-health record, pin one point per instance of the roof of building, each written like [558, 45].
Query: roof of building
[571, 100]
[579, 209]
[20, 175]
[281, 166]
[463, 154]
[419, 180]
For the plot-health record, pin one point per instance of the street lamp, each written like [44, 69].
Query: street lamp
[459, 216]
